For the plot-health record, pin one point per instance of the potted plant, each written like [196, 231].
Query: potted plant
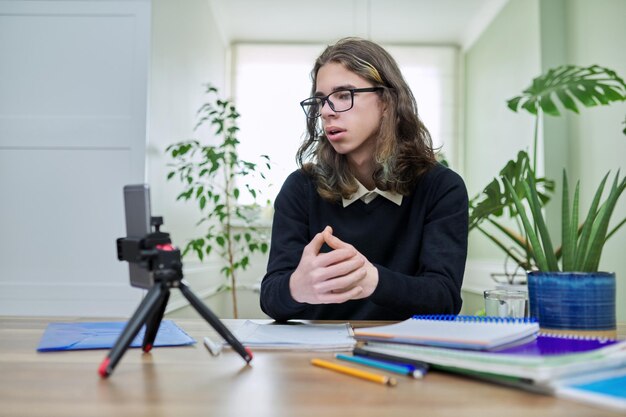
[565, 87]
[214, 176]
[566, 291]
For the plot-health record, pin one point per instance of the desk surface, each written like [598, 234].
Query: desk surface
[188, 381]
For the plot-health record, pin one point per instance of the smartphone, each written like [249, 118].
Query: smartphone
[138, 214]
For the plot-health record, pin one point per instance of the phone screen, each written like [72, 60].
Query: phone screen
[137, 208]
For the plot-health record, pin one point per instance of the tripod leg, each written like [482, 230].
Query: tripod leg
[153, 322]
[215, 322]
[152, 298]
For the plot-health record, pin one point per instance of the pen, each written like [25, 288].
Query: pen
[214, 348]
[419, 365]
[402, 369]
[369, 376]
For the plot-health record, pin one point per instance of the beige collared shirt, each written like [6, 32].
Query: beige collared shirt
[367, 196]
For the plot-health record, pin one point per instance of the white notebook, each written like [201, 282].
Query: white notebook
[296, 336]
[460, 332]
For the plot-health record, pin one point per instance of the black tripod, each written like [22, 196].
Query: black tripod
[156, 253]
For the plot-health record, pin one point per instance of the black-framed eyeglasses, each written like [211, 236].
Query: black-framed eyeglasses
[339, 101]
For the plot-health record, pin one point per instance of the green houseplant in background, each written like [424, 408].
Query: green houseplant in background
[566, 290]
[214, 176]
[565, 87]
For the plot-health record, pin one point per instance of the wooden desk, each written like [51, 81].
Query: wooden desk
[188, 381]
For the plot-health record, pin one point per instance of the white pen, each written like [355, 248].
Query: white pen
[214, 348]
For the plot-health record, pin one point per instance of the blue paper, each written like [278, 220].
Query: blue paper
[103, 335]
[612, 387]
[605, 389]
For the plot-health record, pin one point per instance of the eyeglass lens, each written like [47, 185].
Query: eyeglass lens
[339, 101]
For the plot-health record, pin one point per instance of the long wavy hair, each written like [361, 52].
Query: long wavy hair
[404, 149]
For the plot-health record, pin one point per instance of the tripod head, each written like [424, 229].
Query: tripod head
[153, 255]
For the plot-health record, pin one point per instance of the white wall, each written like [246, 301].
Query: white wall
[73, 82]
[187, 53]
[498, 66]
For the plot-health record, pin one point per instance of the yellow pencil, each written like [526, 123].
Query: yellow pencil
[370, 376]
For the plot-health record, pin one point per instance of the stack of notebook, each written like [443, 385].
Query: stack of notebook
[505, 351]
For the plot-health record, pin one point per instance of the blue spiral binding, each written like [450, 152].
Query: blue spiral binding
[475, 319]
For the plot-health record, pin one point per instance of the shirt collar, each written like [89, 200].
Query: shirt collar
[367, 196]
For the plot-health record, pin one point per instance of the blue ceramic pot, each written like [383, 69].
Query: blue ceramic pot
[572, 300]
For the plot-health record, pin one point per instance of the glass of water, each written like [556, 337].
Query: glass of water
[506, 303]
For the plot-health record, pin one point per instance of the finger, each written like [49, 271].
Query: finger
[335, 257]
[341, 269]
[332, 298]
[343, 283]
[334, 242]
[315, 245]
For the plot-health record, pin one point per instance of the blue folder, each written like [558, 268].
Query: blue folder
[103, 335]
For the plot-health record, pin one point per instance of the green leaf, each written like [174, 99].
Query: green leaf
[535, 206]
[597, 238]
[582, 251]
[589, 85]
[581, 93]
[513, 103]
[548, 106]
[568, 240]
[539, 255]
[567, 100]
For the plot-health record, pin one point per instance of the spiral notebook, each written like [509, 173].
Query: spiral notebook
[541, 360]
[552, 345]
[459, 332]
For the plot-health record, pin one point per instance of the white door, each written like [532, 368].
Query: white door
[73, 94]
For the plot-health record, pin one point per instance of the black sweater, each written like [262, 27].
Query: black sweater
[419, 248]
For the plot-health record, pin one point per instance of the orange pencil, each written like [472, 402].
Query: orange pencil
[370, 376]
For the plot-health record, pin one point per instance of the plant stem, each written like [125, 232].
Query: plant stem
[228, 178]
[536, 135]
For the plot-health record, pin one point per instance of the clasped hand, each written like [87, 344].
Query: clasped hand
[333, 277]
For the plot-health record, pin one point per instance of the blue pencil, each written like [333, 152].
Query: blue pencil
[385, 357]
[407, 370]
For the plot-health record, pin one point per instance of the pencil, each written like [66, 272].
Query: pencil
[402, 369]
[419, 365]
[369, 376]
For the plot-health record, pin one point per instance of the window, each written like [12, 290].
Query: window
[269, 81]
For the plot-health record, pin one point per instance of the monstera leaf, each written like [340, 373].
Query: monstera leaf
[569, 84]
[495, 199]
